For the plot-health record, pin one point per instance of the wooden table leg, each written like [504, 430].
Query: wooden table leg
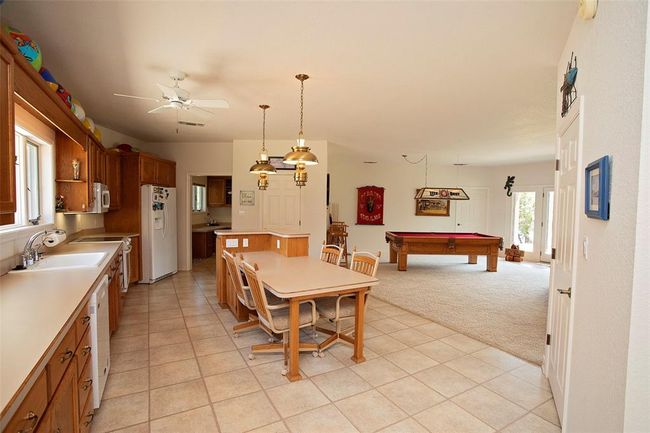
[472, 259]
[294, 341]
[393, 254]
[359, 318]
[492, 260]
[402, 259]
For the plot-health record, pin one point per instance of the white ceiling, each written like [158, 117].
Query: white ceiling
[469, 81]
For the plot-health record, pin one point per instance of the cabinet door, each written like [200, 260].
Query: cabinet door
[134, 260]
[64, 406]
[113, 178]
[199, 245]
[216, 191]
[7, 146]
[96, 162]
[148, 168]
[166, 173]
[113, 301]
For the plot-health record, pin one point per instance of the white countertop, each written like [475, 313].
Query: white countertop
[207, 228]
[257, 232]
[34, 309]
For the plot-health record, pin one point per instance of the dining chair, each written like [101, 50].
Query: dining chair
[336, 309]
[276, 317]
[331, 254]
[243, 295]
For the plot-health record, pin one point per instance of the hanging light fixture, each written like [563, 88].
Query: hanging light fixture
[262, 167]
[300, 155]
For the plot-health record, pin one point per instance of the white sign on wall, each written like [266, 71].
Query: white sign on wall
[247, 198]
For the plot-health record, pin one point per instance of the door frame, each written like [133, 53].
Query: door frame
[543, 257]
[535, 255]
[186, 207]
[577, 113]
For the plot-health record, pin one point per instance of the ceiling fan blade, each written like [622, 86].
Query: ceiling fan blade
[136, 97]
[210, 103]
[161, 108]
[168, 92]
[198, 110]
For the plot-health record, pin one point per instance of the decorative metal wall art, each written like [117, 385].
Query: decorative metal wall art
[510, 181]
[568, 88]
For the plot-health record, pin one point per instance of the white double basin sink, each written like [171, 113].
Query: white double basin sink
[66, 261]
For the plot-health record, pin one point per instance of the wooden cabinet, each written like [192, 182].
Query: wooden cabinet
[134, 260]
[113, 178]
[114, 297]
[156, 171]
[64, 408]
[32, 409]
[203, 244]
[97, 161]
[219, 191]
[59, 362]
[7, 146]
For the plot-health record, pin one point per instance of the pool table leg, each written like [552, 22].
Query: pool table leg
[393, 255]
[492, 260]
[472, 259]
[402, 261]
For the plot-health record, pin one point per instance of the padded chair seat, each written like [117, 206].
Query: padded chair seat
[281, 317]
[270, 298]
[326, 307]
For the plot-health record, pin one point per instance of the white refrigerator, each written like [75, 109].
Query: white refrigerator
[159, 255]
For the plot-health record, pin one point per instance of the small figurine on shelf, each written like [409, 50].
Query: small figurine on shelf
[75, 169]
[60, 203]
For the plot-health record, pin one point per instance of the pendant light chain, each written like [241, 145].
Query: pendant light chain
[263, 130]
[302, 91]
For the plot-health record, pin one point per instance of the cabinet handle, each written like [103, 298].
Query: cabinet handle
[67, 355]
[90, 415]
[85, 320]
[31, 416]
[86, 384]
[86, 350]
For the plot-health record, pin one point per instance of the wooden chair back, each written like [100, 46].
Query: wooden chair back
[365, 263]
[331, 254]
[257, 290]
[232, 266]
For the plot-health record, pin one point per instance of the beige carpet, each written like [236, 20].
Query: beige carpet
[506, 309]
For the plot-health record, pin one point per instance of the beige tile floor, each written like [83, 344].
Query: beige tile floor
[177, 368]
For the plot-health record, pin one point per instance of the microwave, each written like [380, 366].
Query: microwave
[101, 199]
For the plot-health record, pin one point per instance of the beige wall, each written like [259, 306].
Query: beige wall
[401, 179]
[611, 53]
[314, 210]
[199, 159]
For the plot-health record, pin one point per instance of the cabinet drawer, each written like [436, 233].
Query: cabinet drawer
[83, 353]
[85, 383]
[31, 409]
[86, 414]
[82, 322]
[60, 360]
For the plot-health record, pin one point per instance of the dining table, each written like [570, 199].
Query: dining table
[298, 279]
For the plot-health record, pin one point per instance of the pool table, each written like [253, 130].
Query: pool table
[471, 244]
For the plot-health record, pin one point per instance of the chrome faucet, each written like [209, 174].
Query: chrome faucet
[31, 254]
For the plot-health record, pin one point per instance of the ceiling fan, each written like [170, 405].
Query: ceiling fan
[177, 98]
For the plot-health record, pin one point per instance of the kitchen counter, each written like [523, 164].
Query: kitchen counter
[35, 307]
[263, 232]
[207, 228]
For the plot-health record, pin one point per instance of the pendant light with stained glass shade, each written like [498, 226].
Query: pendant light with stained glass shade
[262, 168]
[300, 155]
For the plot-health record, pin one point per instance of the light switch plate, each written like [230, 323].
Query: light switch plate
[245, 242]
[232, 243]
[585, 248]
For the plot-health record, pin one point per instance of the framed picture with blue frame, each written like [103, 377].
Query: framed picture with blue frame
[597, 188]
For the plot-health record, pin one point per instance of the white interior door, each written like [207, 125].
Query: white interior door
[281, 204]
[471, 215]
[567, 209]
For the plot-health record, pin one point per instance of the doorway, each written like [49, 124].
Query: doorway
[523, 220]
[548, 196]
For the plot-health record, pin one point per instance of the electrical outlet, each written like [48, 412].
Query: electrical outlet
[277, 243]
[245, 243]
[232, 243]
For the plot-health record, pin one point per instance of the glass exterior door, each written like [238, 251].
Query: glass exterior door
[547, 224]
[524, 220]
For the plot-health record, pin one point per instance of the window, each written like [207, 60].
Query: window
[199, 198]
[34, 181]
[524, 220]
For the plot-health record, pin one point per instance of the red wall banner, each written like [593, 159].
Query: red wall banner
[370, 205]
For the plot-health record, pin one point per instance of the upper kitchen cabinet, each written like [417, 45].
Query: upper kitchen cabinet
[219, 191]
[155, 171]
[7, 146]
[113, 178]
[76, 191]
[97, 161]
